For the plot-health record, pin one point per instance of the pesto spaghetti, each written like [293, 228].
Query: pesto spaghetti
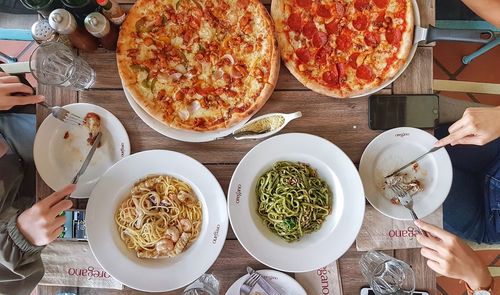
[292, 200]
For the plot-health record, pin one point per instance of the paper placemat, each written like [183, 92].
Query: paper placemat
[380, 232]
[325, 280]
[73, 264]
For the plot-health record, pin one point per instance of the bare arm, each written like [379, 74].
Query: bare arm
[489, 10]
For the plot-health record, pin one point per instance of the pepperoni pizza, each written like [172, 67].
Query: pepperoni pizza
[344, 48]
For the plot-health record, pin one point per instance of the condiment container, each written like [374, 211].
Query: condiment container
[264, 126]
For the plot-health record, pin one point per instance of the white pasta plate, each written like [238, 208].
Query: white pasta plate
[164, 274]
[179, 134]
[337, 232]
[58, 159]
[395, 148]
[283, 283]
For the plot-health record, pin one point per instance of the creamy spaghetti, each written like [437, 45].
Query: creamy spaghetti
[160, 217]
[293, 200]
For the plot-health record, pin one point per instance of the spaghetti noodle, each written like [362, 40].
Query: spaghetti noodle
[161, 217]
[292, 200]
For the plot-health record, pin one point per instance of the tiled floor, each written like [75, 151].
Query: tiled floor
[485, 68]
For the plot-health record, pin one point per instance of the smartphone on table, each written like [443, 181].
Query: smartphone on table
[403, 110]
[369, 291]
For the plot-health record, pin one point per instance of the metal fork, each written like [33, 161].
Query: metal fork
[407, 201]
[248, 285]
[63, 114]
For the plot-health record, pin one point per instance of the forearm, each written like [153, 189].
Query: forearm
[489, 10]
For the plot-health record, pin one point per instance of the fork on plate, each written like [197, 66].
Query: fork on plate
[406, 200]
[250, 282]
[63, 114]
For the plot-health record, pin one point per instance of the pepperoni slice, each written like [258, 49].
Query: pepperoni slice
[331, 77]
[309, 29]
[243, 3]
[379, 21]
[360, 23]
[361, 4]
[340, 9]
[303, 54]
[341, 69]
[295, 22]
[332, 27]
[323, 53]
[352, 60]
[324, 11]
[393, 36]
[372, 39]
[343, 42]
[304, 3]
[381, 3]
[364, 72]
[319, 39]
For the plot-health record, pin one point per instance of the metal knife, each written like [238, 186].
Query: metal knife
[413, 162]
[263, 283]
[87, 159]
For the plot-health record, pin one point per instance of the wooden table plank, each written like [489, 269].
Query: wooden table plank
[344, 122]
[413, 81]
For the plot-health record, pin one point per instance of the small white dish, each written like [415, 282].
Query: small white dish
[395, 148]
[283, 283]
[58, 159]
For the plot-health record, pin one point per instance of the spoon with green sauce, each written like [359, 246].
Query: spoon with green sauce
[263, 126]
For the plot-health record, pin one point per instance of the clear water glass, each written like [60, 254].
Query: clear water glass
[207, 284]
[387, 275]
[53, 63]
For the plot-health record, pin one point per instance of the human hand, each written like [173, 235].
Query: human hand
[450, 256]
[10, 85]
[477, 126]
[41, 224]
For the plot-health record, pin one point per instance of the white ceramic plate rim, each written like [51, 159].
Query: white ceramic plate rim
[178, 134]
[316, 249]
[50, 175]
[429, 200]
[286, 282]
[161, 274]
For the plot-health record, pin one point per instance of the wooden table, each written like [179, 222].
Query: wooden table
[344, 122]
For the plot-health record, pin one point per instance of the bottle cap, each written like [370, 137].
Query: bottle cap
[62, 21]
[41, 31]
[97, 25]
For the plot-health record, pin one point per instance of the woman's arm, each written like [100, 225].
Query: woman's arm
[489, 10]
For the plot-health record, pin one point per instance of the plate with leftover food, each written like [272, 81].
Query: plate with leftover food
[428, 181]
[60, 148]
[157, 220]
[296, 195]
[283, 283]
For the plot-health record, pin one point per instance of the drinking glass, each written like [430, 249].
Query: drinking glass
[387, 275]
[53, 63]
[207, 284]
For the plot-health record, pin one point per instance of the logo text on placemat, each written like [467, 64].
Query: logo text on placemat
[411, 232]
[89, 272]
[322, 274]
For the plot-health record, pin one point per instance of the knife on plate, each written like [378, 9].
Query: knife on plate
[87, 159]
[413, 162]
[263, 283]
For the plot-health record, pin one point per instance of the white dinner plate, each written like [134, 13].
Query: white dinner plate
[395, 148]
[283, 283]
[178, 134]
[58, 159]
[339, 230]
[155, 275]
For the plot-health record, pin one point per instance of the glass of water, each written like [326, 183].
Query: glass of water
[207, 284]
[53, 63]
[387, 275]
